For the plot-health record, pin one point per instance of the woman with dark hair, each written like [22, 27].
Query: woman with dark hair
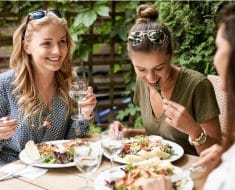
[223, 176]
[176, 103]
[218, 160]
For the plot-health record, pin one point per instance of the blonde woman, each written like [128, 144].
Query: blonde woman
[35, 103]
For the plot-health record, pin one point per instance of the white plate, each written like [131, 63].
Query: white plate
[178, 150]
[24, 158]
[100, 181]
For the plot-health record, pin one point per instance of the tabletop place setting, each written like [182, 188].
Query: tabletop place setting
[135, 158]
[105, 161]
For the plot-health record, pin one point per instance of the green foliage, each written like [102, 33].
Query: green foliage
[131, 110]
[93, 129]
[85, 15]
[193, 29]
[191, 22]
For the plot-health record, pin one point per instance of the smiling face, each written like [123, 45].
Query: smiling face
[48, 48]
[153, 68]
[222, 55]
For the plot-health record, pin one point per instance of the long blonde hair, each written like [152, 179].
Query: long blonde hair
[25, 91]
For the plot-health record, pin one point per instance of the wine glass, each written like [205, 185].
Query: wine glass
[112, 143]
[78, 91]
[87, 158]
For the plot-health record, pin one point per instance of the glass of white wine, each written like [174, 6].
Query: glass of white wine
[112, 143]
[87, 158]
[78, 91]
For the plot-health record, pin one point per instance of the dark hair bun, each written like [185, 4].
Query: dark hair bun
[146, 13]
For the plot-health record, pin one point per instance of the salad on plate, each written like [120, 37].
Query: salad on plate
[131, 176]
[141, 147]
[51, 153]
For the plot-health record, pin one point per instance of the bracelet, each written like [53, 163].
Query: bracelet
[200, 140]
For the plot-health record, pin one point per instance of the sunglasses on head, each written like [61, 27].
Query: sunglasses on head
[155, 36]
[36, 15]
[42, 13]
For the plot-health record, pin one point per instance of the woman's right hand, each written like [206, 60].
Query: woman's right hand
[117, 126]
[7, 127]
[210, 158]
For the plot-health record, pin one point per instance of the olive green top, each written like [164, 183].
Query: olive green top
[192, 90]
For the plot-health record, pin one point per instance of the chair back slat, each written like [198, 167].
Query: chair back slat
[221, 99]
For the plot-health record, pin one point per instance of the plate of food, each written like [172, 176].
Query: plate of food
[141, 147]
[132, 176]
[51, 154]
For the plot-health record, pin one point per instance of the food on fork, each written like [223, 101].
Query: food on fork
[159, 90]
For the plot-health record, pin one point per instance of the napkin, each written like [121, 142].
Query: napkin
[24, 171]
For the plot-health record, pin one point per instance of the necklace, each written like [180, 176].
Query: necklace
[46, 123]
[44, 117]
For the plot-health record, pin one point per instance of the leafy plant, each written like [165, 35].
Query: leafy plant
[193, 29]
[191, 22]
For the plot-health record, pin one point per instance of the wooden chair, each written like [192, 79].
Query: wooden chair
[221, 99]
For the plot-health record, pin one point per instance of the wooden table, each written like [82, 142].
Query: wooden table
[71, 179]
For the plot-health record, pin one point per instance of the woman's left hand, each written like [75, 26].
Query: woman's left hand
[178, 116]
[88, 105]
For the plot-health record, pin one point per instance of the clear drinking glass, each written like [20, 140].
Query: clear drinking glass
[112, 143]
[88, 158]
[78, 91]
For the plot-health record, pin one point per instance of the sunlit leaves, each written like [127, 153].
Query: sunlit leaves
[89, 17]
[102, 10]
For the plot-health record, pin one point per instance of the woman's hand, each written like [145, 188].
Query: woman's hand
[179, 117]
[210, 158]
[117, 126]
[88, 105]
[7, 127]
[160, 182]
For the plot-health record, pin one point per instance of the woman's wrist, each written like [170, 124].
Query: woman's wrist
[195, 131]
[126, 132]
[199, 140]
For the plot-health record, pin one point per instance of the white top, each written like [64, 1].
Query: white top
[223, 177]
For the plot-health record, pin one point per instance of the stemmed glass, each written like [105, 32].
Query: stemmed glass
[87, 158]
[112, 143]
[78, 91]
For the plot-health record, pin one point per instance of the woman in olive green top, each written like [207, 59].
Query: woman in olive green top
[176, 103]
